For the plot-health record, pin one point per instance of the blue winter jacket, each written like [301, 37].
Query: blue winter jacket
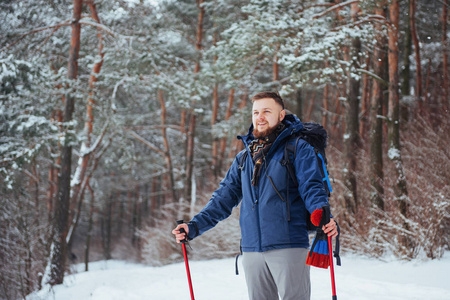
[264, 215]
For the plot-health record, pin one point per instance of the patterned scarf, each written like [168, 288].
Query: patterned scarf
[259, 148]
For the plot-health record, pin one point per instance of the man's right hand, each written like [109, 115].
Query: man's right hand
[178, 235]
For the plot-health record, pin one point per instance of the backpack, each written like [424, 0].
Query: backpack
[316, 136]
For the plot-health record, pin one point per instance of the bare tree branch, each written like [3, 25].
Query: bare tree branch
[145, 142]
[54, 27]
[374, 76]
[337, 6]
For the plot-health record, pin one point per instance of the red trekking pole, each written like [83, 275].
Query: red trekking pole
[183, 244]
[333, 283]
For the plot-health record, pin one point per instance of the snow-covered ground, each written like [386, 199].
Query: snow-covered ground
[358, 278]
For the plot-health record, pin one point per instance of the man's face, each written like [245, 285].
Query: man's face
[266, 116]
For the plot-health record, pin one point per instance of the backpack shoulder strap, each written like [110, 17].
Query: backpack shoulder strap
[289, 156]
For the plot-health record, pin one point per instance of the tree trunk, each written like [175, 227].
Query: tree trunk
[89, 232]
[325, 102]
[121, 214]
[215, 140]
[415, 39]
[336, 120]
[352, 139]
[325, 106]
[445, 46]
[223, 141]
[53, 171]
[426, 97]
[167, 155]
[386, 101]
[130, 213]
[299, 103]
[192, 120]
[106, 227]
[145, 202]
[407, 49]
[275, 69]
[198, 44]
[236, 145]
[376, 122]
[58, 260]
[310, 108]
[53, 179]
[136, 218]
[154, 201]
[86, 152]
[365, 103]
[394, 153]
[189, 167]
[215, 112]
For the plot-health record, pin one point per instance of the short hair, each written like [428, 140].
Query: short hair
[273, 95]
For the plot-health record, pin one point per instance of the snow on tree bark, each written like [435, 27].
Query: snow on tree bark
[394, 152]
[58, 259]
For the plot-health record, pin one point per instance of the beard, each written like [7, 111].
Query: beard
[264, 133]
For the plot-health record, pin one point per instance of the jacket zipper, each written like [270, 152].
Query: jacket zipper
[256, 206]
[255, 202]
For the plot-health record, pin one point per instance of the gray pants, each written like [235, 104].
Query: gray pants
[280, 272]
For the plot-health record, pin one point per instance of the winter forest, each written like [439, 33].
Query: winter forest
[118, 117]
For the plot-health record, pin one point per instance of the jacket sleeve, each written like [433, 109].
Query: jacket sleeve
[309, 178]
[221, 204]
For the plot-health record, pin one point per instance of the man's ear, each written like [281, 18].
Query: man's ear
[282, 115]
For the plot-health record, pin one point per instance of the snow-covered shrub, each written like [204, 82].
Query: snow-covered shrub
[423, 233]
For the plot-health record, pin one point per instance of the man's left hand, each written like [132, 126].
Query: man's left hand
[331, 228]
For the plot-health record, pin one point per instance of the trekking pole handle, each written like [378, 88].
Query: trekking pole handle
[182, 231]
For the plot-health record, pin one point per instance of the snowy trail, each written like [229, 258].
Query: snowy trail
[358, 278]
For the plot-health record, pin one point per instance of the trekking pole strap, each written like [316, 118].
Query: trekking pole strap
[337, 246]
[237, 257]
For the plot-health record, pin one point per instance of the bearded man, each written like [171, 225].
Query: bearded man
[273, 228]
